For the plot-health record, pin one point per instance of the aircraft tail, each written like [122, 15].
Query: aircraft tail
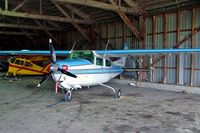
[122, 60]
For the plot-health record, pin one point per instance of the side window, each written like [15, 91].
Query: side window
[22, 62]
[108, 63]
[17, 62]
[28, 64]
[99, 61]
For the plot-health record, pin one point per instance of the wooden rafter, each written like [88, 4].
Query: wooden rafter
[136, 6]
[79, 13]
[9, 25]
[72, 20]
[49, 33]
[29, 36]
[40, 17]
[15, 33]
[128, 22]
[19, 6]
[100, 5]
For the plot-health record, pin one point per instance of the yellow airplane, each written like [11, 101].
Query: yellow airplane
[22, 66]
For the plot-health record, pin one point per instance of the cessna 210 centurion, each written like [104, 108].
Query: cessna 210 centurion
[88, 68]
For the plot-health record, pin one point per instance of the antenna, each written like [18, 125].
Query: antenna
[107, 44]
[73, 47]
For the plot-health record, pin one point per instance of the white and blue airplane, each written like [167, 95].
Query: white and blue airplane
[88, 68]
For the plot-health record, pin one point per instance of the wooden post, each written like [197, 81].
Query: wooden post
[68, 41]
[6, 5]
[177, 40]
[40, 7]
[165, 46]
[193, 46]
[153, 44]
[116, 34]
[124, 33]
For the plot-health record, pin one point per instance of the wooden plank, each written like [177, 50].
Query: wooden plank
[19, 6]
[6, 5]
[177, 40]
[49, 33]
[80, 13]
[25, 26]
[100, 5]
[165, 46]
[153, 46]
[72, 21]
[40, 17]
[193, 46]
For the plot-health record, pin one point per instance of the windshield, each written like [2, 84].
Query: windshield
[88, 55]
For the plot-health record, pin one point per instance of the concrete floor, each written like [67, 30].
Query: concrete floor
[24, 109]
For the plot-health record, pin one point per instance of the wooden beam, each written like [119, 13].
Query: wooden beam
[101, 5]
[19, 6]
[72, 21]
[128, 22]
[193, 46]
[40, 7]
[6, 5]
[29, 36]
[79, 13]
[15, 33]
[40, 17]
[49, 33]
[165, 46]
[136, 6]
[22, 26]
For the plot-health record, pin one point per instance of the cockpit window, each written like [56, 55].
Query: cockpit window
[108, 63]
[19, 62]
[99, 61]
[88, 55]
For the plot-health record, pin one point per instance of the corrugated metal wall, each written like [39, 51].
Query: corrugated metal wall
[162, 31]
[178, 25]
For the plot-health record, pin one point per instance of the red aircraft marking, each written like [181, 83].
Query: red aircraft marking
[27, 69]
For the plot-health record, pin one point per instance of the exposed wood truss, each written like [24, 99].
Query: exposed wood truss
[22, 26]
[72, 21]
[19, 6]
[101, 5]
[80, 13]
[128, 22]
[40, 17]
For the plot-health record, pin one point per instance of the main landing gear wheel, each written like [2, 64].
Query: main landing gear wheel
[118, 94]
[68, 96]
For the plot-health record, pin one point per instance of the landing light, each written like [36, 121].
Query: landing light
[65, 67]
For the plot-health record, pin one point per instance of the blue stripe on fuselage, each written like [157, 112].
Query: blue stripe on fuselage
[114, 69]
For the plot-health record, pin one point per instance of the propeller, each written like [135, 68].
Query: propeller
[54, 67]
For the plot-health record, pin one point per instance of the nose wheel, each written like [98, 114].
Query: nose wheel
[67, 96]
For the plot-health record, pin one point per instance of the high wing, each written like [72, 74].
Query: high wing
[111, 53]
[34, 52]
[117, 53]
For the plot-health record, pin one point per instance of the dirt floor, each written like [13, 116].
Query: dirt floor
[24, 109]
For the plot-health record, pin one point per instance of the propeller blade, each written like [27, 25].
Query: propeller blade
[52, 50]
[44, 78]
[67, 73]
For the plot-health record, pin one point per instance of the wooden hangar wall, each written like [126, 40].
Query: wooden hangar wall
[168, 30]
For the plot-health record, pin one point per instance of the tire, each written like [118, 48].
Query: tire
[118, 94]
[68, 96]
